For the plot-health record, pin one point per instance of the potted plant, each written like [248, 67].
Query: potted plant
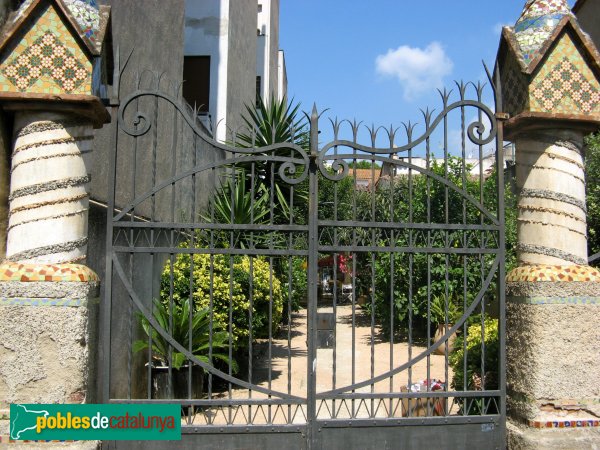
[444, 320]
[167, 360]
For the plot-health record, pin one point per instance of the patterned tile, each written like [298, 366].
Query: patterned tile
[540, 273]
[537, 22]
[46, 58]
[87, 16]
[564, 423]
[565, 84]
[537, 8]
[514, 87]
[10, 271]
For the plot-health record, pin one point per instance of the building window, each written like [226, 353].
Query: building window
[258, 90]
[196, 86]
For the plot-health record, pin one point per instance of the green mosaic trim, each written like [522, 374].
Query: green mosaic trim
[66, 302]
[555, 300]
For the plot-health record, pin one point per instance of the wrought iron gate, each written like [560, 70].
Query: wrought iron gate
[310, 276]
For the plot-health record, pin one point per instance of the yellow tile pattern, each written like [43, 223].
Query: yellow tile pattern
[565, 84]
[11, 271]
[46, 59]
[540, 273]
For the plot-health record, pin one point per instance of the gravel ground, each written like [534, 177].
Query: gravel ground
[369, 358]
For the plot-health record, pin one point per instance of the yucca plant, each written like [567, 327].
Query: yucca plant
[200, 337]
[269, 123]
[273, 122]
[234, 202]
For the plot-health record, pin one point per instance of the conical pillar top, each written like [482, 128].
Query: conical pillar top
[536, 24]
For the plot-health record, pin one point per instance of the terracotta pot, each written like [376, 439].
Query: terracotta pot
[441, 330]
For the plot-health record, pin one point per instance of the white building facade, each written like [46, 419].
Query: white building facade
[232, 58]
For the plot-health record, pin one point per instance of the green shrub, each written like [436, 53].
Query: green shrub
[474, 376]
[225, 280]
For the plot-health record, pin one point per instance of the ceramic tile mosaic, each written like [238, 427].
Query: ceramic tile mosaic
[563, 423]
[565, 84]
[537, 8]
[514, 87]
[579, 300]
[87, 16]
[537, 22]
[541, 273]
[65, 302]
[10, 271]
[46, 59]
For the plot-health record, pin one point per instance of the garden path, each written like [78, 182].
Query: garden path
[368, 358]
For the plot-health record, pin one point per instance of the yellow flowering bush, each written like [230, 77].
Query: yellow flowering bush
[232, 291]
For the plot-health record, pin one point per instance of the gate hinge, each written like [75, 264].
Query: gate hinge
[502, 116]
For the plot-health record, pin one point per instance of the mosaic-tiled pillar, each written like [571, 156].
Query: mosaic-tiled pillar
[53, 65]
[550, 77]
[48, 197]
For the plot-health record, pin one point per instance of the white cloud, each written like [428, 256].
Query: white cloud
[417, 70]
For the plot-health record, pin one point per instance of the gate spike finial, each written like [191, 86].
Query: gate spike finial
[314, 114]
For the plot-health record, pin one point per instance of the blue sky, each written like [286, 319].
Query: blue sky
[379, 61]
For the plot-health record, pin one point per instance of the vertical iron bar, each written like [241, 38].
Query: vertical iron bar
[428, 195]
[271, 222]
[502, 251]
[354, 219]
[373, 219]
[481, 245]
[313, 262]
[250, 334]
[192, 262]
[335, 243]
[291, 287]
[106, 308]
[232, 173]
[446, 234]
[410, 262]
[392, 243]
[130, 270]
[464, 220]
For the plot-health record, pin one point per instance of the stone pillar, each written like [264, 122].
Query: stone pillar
[551, 183]
[550, 77]
[48, 198]
[5, 148]
[52, 69]
[553, 301]
[48, 352]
